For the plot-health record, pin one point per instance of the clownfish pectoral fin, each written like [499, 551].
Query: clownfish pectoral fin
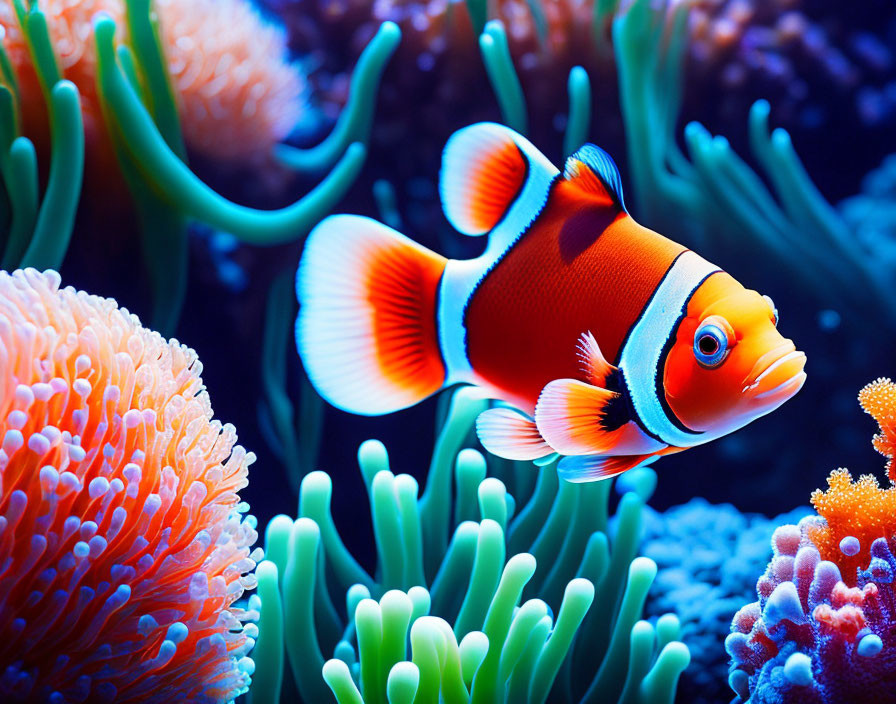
[592, 468]
[594, 171]
[572, 417]
[595, 366]
[484, 170]
[366, 329]
[507, 433]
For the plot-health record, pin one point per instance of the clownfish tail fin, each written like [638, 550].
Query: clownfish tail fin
[367, 330]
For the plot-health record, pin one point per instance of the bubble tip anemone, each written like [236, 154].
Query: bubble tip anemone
[122, 543]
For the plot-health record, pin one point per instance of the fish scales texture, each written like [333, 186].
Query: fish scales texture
[598, 264]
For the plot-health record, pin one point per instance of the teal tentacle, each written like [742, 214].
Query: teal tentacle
[353, 124]
[579, 87]
[56, 219]
[172, 178]
[20, 176]
[502, 75]
[298, 450]
[159, 95]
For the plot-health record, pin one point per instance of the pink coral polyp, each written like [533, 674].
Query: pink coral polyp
[122, 545]
[236, 91]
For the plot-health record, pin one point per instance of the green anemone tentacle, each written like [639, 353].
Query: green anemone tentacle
[579, 119]
[56, 219]
[20, 176]
[502, 75]
[147, 48]
[161, 167]
[474, 636]
[354, 122]
[40, 230]
[296, 435]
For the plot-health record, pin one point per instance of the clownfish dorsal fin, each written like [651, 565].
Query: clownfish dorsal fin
[485, 168]
[508, 433]
[594, 171]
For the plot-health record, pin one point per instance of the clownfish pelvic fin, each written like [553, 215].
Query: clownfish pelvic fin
[366, 329]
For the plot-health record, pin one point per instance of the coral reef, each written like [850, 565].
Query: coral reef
[859, 510]
[824, 628]
[720, 194]
[457, 595]
[707, 557]
[228, 77]
[236, 92]
[122, 541]
[810, 638]
[783, 49]
[871, 215]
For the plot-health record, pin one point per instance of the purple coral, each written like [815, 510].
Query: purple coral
[810, 639]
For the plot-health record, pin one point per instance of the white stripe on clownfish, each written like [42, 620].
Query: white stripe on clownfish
[641, 360]
[462, 277]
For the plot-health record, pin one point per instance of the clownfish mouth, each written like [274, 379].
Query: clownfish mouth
[776, 377]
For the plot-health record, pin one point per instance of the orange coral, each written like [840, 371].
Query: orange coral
[878, 400]
[860, 508]
[236, 92]
[121, 540]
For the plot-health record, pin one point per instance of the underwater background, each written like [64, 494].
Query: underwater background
[173, 156]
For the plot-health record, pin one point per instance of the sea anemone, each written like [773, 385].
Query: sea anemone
[236, 91]
[452, 576]
[123, 550]
[127, 86]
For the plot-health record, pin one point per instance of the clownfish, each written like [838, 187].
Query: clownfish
[610, 344]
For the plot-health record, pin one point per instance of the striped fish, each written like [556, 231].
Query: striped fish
[609, 344]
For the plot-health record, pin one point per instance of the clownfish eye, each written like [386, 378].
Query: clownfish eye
[771, 304]
[711, 342]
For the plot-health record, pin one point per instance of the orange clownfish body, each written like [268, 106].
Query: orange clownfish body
[613, 344]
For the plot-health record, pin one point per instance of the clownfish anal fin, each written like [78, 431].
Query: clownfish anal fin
[595, 366]
[483, 171]
[592, 468]
[510, 434]
[594, 171]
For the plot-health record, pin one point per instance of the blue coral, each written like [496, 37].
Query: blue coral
[708, 558]
[871, 214]
[810, 639]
